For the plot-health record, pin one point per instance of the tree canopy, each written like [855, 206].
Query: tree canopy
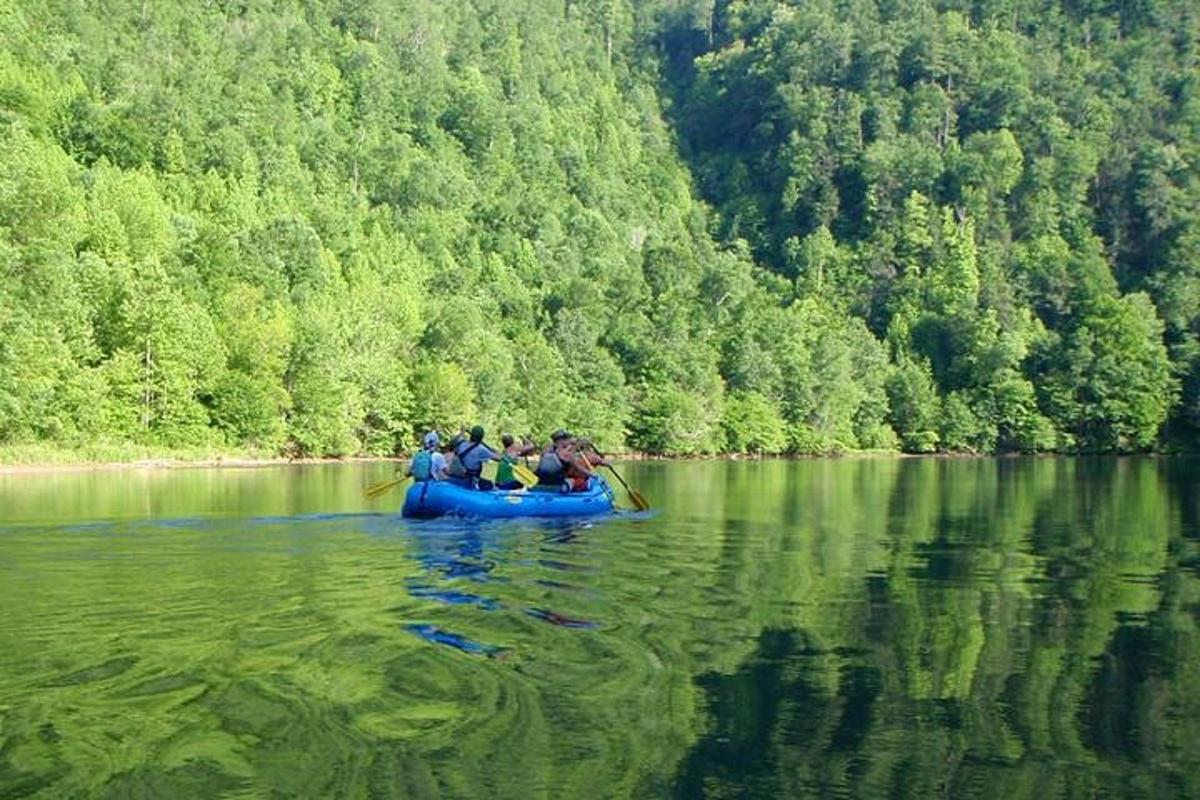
[685, 226]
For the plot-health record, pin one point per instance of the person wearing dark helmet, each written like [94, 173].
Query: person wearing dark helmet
[469, 457]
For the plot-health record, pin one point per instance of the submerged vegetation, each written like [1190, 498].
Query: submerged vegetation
[317, 226]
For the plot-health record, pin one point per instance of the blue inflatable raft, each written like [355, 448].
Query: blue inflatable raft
[438, 498]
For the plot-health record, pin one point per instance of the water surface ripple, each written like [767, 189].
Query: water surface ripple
[829, 628]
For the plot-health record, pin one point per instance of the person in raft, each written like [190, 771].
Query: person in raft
[582, 465]
[428, 464]
[552, 465]
[566, 464]
[447, 449]
[504, 470]
[469, 457]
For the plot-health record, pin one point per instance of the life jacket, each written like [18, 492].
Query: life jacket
[550, 468]
[504, 470]
[422, 466]
[456, 468]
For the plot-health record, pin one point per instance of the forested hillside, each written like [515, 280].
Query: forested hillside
[317, 227]
[1006, 192]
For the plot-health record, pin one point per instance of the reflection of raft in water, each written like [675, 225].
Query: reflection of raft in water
[438, 498]
[433, 633]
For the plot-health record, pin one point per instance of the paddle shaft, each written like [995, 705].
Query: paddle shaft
[638, 499]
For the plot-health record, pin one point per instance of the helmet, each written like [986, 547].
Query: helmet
[432, 440]
[559, 434]
[477, 433]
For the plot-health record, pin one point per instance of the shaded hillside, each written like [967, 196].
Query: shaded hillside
[1007, 193]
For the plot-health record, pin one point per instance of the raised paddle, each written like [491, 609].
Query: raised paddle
[639, 501]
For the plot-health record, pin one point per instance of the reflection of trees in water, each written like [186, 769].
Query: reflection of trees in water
[1023, 630]
[867, 627]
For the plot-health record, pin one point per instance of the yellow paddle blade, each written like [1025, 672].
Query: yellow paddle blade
[376, 489]
[524, 474]
[639, 501]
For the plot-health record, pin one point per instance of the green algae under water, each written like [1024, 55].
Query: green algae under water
[857, 627]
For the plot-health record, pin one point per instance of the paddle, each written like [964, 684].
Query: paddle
[524, 474]
[639, 501]
[376, 489]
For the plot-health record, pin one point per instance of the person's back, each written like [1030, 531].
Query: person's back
[471, 456]
[437, 465]
[454, 465]
[428, 464]
[421, 466]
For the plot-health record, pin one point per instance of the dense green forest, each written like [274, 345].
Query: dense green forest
[685, 226]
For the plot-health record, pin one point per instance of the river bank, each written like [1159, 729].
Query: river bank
[36, 459]
[16, 459]
[20, 459]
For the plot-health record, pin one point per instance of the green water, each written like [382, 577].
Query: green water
[860, 628]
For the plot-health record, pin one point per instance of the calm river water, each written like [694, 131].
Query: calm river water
[856, 627]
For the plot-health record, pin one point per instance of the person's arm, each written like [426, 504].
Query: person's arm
[583, 464]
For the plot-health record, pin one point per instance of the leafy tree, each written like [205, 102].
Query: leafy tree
[914, 406]
[325, 405]
[753, 424]
[442, 398]
[1108, 382]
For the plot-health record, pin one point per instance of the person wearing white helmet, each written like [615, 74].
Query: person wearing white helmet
[428, 464]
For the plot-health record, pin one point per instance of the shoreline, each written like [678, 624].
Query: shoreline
[165, 463]
[250, 462]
